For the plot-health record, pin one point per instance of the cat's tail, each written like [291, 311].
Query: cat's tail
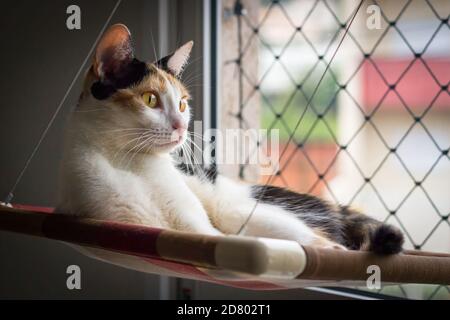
[364, 233]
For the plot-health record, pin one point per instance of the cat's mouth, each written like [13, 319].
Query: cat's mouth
[169, 144]
[172, 143]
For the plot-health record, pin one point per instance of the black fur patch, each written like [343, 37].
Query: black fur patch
[366, 233]
[356, 228]
[315, 212]
[341, 224]
[188, 170]
[163, 63]
[386, 239]
[127, 76]
[211, 173]
[102, 91]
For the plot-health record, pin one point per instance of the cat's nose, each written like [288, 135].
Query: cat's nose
[179, 126]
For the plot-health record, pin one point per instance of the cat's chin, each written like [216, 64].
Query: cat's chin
[169, 146]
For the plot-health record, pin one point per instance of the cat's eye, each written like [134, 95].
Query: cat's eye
[183, 105]
[150, 99]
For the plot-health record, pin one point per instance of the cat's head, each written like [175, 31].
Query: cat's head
[145, 103]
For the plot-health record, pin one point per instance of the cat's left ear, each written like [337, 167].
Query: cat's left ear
[114, 52]
[176, 61]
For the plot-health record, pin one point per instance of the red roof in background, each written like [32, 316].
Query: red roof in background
[417, 87]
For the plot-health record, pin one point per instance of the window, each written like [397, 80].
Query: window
[375, 134]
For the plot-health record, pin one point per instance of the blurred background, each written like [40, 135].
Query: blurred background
[375, 135]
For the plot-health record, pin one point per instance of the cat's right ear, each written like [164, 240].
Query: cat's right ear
[114, 52]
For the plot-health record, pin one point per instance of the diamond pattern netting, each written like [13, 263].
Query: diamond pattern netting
[369, 101]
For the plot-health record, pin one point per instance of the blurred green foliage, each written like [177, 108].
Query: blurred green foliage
[319, 122]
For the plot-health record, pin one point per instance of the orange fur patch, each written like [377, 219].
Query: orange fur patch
[155, 81]
[177, 83]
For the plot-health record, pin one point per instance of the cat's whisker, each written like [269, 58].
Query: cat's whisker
[192, 155]
[140, 145]
[154, 46]
[132, 129]
[191, 80]
[192, 76]
[125, 145]
[192, 71]
[144, 145]
[123, 129]
[122, 136]
[180, 154]
[199, 85]
[196, 84]
[197, 136]
[184, 153]
[131, 132]
[193, 61]
[197, 147]
[189, 158]
[139, 148]
[200, 149]
[136, 149]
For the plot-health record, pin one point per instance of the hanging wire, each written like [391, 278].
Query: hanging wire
[10, 195]
[291, 136]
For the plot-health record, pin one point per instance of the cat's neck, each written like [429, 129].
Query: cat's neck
[138, 162]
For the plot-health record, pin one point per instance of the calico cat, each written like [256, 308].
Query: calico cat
[117, 164]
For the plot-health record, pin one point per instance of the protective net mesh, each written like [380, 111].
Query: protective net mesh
[376, 134]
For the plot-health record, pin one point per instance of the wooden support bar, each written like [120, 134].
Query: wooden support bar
[254, 256]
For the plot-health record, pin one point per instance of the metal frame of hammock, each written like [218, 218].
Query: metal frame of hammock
[245, 262]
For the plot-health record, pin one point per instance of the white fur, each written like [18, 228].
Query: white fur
[103, 179]
[229, 203]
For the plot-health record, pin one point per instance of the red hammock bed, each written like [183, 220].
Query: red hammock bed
[244, 262]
